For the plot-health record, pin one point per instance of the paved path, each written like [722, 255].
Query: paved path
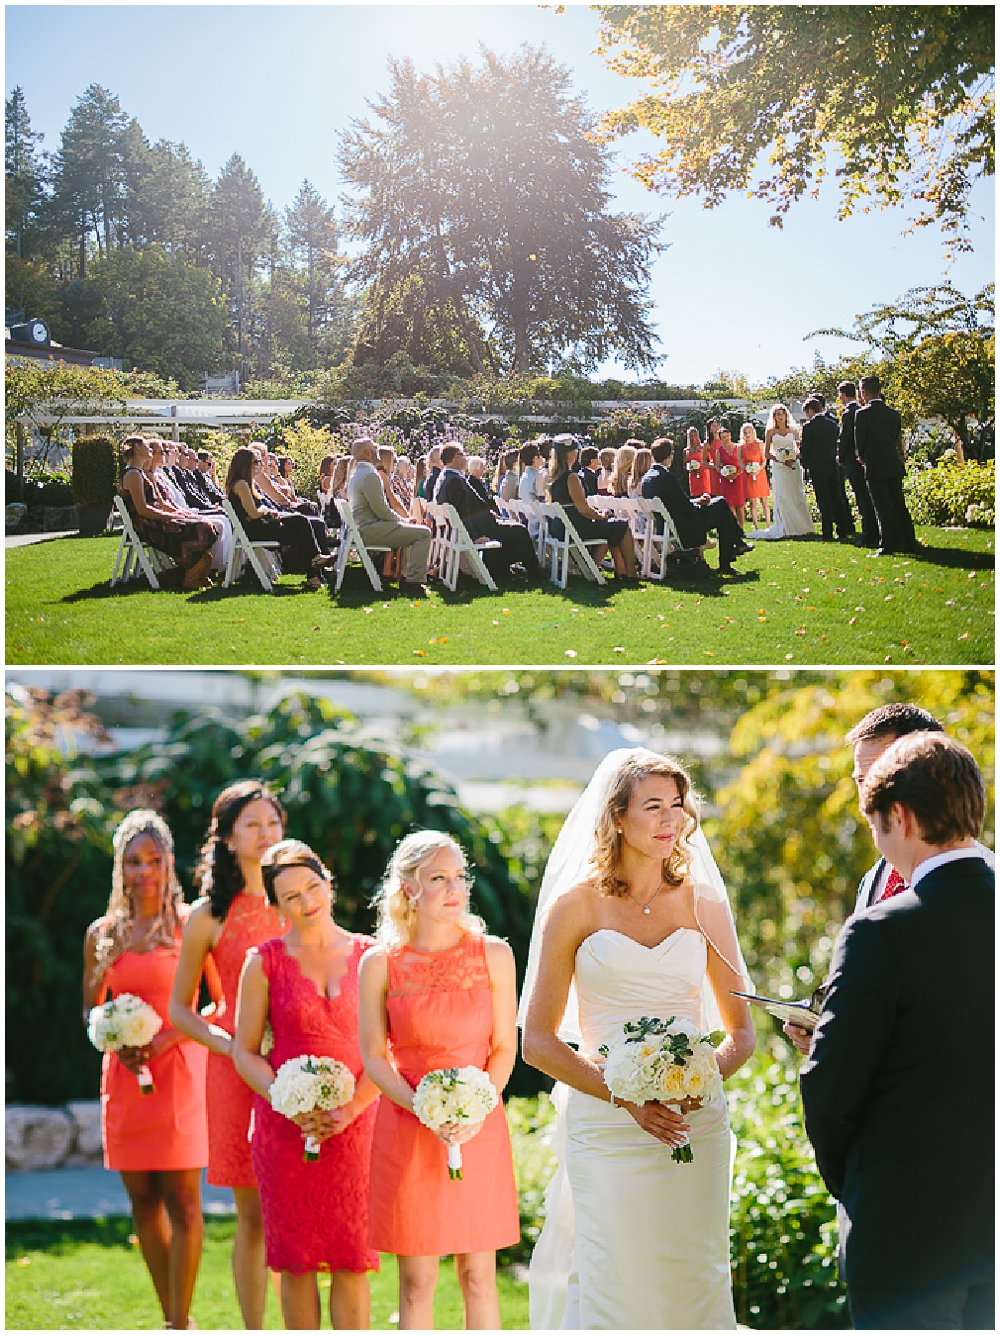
[28, 539]
[82, 1193]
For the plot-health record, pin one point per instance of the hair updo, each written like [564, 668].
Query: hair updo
[606, 858]
[290, 853]
[397, 914]
[218, 872]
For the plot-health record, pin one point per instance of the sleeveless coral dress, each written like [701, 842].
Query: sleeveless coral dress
[732, 488]
[440, 1012]
[699, 481]
[251, 920]
[315, 1214]
[755, 486]
[165, 1130]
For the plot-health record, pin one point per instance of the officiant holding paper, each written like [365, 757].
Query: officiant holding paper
[898, 1090]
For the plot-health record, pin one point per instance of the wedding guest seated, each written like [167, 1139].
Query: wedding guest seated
[273, 502]
[590, 470]
[188, 543]
[531, 487]
[624, 459]
[607, 458]
[507, 481]
[377, 521]
[170, 496]
[566, 488]
[206, 467]
[694, 519]
[477, 479]
[433, 472]
[641, 465]
[385, 463]
[279, 471]
[516, 546]
[299, 550]
[402, 480]
[323, 496]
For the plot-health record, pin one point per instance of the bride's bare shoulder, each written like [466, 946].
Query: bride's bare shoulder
[575, 908]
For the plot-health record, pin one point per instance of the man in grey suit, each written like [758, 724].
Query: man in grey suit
[898, 1089]
[378, 522]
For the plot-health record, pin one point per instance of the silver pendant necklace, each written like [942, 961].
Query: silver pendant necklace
[644, 907]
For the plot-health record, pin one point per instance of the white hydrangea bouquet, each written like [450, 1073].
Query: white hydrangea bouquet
[693, 465]
[663, 1061]
[785, 453]
[729, 470]
[461, 1094]
[305, 1084]
[125, 1022]
[753, 468]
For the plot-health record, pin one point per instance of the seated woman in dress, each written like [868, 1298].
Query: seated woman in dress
[159, 1142]
[607, 458]
[305, 984]
[401, 480]
[324, 496]
[567, 489]
[188, 542]
[170, 497]
[438, 993]
[385, 465]
[633, 920]
[641, 465]
[295, 532]
[624, 459]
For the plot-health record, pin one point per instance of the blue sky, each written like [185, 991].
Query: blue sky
[277, 83]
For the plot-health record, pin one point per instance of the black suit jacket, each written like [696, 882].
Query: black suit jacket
[846, 453]
[818, 452]
[898, 1091]
[590, 480]
[688, 516]
[878, 435]
[453, 489]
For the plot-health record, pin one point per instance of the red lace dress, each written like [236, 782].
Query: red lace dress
[251, 920]
[163, 1131]
[440, 1013]
[731, 487]
[315, 1214]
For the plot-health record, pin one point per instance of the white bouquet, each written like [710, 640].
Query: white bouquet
[785, 453]
[461, 1094]
[304, 1084]
[729, 470]
[663, 1061]
[693, 465]
[753, 468]
[125, 1022]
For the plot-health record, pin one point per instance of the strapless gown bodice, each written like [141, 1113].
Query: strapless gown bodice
[619, 979]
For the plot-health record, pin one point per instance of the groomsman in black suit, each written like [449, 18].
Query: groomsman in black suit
[818, 455]
[898, 1090]
[878, 439]
[847, 457]
[516, 548]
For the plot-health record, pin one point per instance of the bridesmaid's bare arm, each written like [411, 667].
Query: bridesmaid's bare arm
[373, 988]
[503, 1043]
[95, 985]
[201, 931]
[251, 1016]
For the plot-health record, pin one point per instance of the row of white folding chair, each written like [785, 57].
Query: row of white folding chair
[134, 555]
[264, 557]
[529, 514]
[452, 544]
[350, 540]
[657, 546]
[558, 551]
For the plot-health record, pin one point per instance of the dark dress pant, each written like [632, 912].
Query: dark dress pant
[895, 527]
[862, 496]
[832, 502]
[952, 1307]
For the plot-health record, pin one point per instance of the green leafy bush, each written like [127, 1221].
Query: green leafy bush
[95, 470]
[945, 493]
[783, 1222]
[531, 1121]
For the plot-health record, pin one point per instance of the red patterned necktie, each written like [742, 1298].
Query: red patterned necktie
[893, 885]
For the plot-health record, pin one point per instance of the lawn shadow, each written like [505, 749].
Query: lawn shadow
[955, 558]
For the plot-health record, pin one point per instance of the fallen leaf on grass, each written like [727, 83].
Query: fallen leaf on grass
[420, 653]
[965, 636]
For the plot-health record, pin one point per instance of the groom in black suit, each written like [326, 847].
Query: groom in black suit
[898, 1091]
[878, 439]
[818, 456]
[847, 457]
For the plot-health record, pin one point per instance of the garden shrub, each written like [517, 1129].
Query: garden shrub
[531, 1121]
[946, 493]
[307, 445]
[95, 470]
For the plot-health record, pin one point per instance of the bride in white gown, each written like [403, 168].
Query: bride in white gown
[791, 509]
[633, 920]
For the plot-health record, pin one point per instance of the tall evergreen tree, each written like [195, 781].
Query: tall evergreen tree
[90, 179]
[240, 230]
[24, 174]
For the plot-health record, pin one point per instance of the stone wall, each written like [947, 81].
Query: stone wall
[67, 1137]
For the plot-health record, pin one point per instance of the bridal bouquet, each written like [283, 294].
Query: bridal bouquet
[462, 1094]
[305, 1084]
[754, 468]
[729, 470]
[693, 465]
[125, 1022]
[663, 1061]
[785, 453]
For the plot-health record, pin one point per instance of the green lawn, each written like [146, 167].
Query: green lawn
[85, 1274]
[798, 602]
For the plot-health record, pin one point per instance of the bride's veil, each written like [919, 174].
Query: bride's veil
[570, 863]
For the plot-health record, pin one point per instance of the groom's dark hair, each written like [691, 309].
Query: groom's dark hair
[895, 720]
[936, 779]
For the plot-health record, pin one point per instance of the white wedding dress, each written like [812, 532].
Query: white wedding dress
[633, 1240]
[791, 509]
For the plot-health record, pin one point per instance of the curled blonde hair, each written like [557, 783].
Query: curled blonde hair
[397, 914]
[606, 857]
[115, 934]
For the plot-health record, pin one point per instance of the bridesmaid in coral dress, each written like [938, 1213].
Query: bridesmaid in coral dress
[755, 484]
[712, 444]
[732, 485]
[233, 916]
[158, 1142]
[699, 483]
[306, 984]
[438, 993]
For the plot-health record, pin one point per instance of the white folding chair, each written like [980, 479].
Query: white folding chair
[657, 546]
[559, 550]
[528, 513]
[264, 557]
[351, 541]
[455, 545]
[133, 555]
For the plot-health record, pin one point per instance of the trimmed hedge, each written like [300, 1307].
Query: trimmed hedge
[95, 470]
[952, 493]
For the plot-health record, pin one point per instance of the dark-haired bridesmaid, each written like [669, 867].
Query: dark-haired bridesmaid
[233, 916]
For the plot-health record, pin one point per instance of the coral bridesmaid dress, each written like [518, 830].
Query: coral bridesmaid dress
[732, 487]
[251, 920]
[440, 1009]
[315, 1214]
[165, 1130]
[699, 482]
[755, 486]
